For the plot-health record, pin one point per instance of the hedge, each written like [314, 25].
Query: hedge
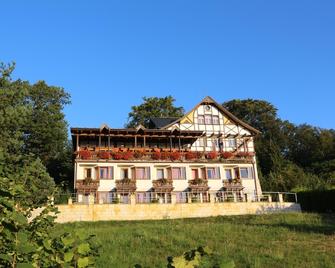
[317, 201]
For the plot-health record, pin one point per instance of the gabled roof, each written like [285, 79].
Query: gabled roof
[160, 122]
[229, 115]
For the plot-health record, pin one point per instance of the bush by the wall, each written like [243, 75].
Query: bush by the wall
[317, 200]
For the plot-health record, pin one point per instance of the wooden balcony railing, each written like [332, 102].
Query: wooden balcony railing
[162, 185]
[156, 154]
[125, 185]
[198, 185]
[232, 185]
[87, 185]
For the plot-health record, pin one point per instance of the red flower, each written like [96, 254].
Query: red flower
[227, 155]
[165, 155]
[104, 155]
[212, 155]
[191, 155]
[127, 155]
[244, 154]
[85, 154]
[175, 156]
[156, 155]
[117, 156]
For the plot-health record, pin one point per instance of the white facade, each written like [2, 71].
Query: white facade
[221, 133]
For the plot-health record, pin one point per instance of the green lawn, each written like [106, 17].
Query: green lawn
[279, 240]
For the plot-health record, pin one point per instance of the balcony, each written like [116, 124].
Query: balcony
[198, 185]
[125, 186]
[158, 154]
[88, 185]
[232, 185]
[162, 185]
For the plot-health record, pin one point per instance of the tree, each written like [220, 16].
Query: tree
[46, 134]
[153, 107]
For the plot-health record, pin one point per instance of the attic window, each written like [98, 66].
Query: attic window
[207, 108]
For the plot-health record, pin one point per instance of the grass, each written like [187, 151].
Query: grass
[277, 240]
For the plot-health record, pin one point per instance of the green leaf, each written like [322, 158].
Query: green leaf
[5, 257]
[84, 248]
[68, 256]
[83, 262]
[67, 241]
[47, 244]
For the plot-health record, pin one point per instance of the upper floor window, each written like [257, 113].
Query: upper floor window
[142, 173]
[246, 173]
[213, 173]
[124, 173]
[201, 119]
[160, 173]
[232, 143]
[88, 173]
[229, 174]
[105, 172]
[178, 173]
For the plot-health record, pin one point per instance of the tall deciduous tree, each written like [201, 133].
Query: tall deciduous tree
[17, 165]
[46, 134]
[153, 107]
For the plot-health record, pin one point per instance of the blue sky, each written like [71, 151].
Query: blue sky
[108, 54]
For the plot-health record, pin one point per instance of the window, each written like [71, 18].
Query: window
[208, 119]
[178, 173]
[213, 173]
[160, 173]
[246, 173]
[88, 173]
[201, 119]
[228, 174]
[142, 173]
[232, 143]
[195, 173]
[124, 173]
[106, 172]
[215, 120]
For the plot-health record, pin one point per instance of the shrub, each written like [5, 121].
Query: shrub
[104, 155]
[175, 156]
[227, 155]
[317, 200]
[212, 155]
[84, 154]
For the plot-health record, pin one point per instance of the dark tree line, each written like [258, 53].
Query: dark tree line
[290, 157]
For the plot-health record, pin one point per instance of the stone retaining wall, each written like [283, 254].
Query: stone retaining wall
[121, 212]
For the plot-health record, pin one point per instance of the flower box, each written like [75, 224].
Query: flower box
[85, 154]
[227, 155]
[212, 155]
[175, 156]
[104, 155]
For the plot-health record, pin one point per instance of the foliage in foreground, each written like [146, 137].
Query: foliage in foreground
[25, 243]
